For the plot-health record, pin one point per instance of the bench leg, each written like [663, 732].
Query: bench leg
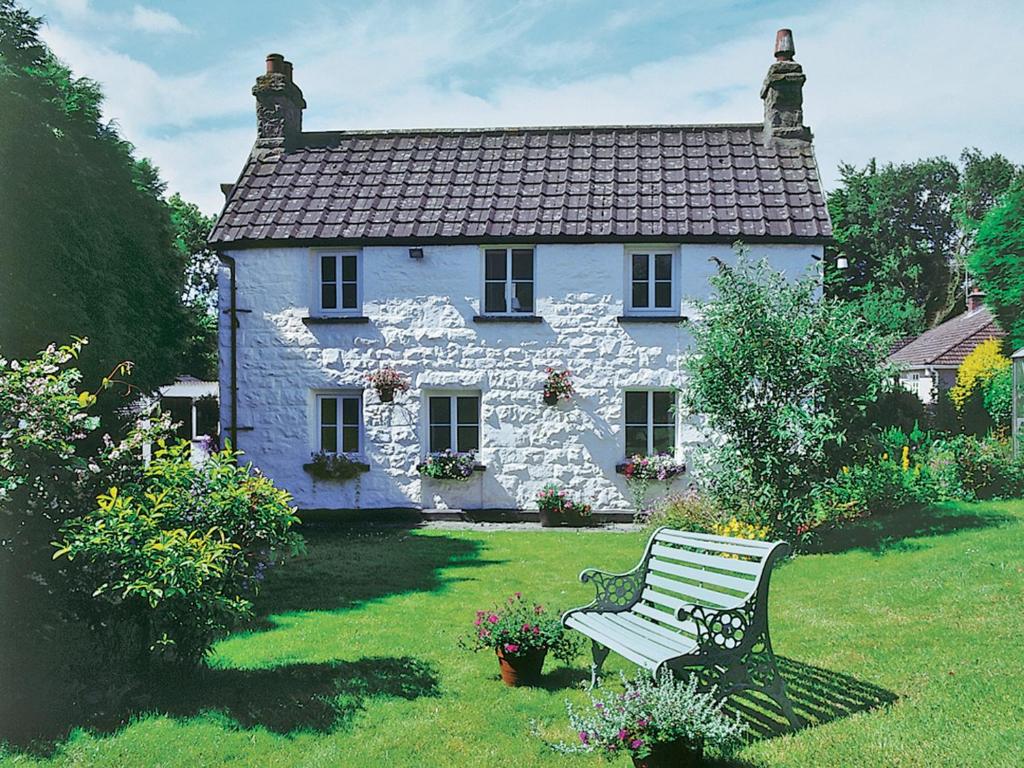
[600, 653]
[776, 689]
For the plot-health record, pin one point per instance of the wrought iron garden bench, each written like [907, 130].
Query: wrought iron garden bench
[696, 603]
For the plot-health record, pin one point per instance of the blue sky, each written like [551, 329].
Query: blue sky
[892, 80]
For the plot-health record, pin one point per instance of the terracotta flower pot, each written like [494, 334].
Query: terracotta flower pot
[549, 518]
[550, 399]
[521, 668]
[386, 395]
[672, 754]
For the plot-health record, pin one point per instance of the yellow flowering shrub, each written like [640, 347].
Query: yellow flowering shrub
[977, 369]
[741, 530]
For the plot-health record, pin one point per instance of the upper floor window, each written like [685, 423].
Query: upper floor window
[650, 422]
[454, 422]
[339, 417]
[651, 281]
[508, 281]
[338, 281]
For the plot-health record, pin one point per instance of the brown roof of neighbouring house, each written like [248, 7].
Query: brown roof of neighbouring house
[712, 182]
[949, 343]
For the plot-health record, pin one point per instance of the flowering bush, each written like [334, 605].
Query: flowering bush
[660, 467]
[387, 381]
[689, 511]
[518, 626]
[334, 466]
[977, 370]
[551, 498]
[557, 386]
[969, 468]
[649, 713]
[741, 530]
[448, 465]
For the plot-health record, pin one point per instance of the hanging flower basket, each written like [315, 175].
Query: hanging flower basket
[387, 381]
[557, 386]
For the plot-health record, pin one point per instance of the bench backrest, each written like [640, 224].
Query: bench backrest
[684, 568]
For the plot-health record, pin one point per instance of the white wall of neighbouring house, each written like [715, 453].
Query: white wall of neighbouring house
[421, 322]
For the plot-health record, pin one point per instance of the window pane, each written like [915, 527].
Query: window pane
[350, 439]
[663, 295]
[329, 439]
[468, 409]
[663, 402]
[348, 296]
[440, 411]
[469, 438]
[636, 440]
[640, 266]
[640, 295]
[328, 269]
[636, 407]
[495, 267]
[664, 439]
[348, 268]
[329, 410]
[663, 266]
[440, 439]
[522, 264]
[523, 299]
[494, 298]
[350, 411]
[329, 296]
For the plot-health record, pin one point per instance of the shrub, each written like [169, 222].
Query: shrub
[997, 398]
[899, 409]
[648, 713]
[976, 371]
[968, 467]
[448, 465]
[518, 626]
[888, 484]
[741, 530]
[178, 554]
[687, 512]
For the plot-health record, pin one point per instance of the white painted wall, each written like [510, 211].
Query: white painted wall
[421, 322]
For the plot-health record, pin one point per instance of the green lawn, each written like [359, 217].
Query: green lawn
[907, 649]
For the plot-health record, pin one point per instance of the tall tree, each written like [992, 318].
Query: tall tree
[192, 229]
[86, 243]
[997, 262]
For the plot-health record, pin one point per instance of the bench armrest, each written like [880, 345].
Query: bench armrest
[614, 591]
[729, 630]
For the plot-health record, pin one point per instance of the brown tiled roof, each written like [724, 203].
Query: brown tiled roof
[949, 343]
[588, 183]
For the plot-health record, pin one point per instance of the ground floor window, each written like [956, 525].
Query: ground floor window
[340, 421]
[454, 422]
[650, 422]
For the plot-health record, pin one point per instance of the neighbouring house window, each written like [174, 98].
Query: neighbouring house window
[508, 281]
[339, 282]
[651, 282]
[340, 422]
[454, 422]
[650, 422]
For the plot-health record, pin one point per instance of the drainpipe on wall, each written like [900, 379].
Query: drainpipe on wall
[233, 375]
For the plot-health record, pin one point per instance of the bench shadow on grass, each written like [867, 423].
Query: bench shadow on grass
[889, 532]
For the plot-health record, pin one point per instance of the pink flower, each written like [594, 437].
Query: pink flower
[636, 744]
[511, 648]
[584, 737]
[623, 734]
[493, 618]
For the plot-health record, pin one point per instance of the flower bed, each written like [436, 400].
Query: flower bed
[448, 465]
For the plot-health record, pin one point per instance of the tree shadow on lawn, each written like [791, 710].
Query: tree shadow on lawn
[888, 533]
[286, 700]
[345, 567]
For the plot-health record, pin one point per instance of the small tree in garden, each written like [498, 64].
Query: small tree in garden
[785, 379]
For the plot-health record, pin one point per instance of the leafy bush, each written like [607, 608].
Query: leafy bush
[898, 408]
[178, 555]
[518, 626]
[739, 529]
[884, 485]
[968, 467]
[997, 398]
[648, 713]
[687, 512]
[976, 371]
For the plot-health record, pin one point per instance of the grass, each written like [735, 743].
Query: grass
[902, 643]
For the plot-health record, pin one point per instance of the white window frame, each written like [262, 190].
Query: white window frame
[509, 282]
[453, 395]
[651, 251]
[339, 310]
[650, 425]
[340, 425]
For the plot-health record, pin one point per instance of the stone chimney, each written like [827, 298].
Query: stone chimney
[279, 104]
[783, 95]
[975, 300]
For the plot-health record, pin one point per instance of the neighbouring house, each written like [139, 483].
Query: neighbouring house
[928, 363]
[471, 260]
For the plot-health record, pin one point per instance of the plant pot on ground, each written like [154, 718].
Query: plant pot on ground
[555, 508]
[521, 668]
[673, 754]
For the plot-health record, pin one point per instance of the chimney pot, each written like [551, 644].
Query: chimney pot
[287, 69]
[975, 300]
[785, 50]
[275, 63]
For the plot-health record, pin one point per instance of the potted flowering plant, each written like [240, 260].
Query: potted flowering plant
[557, 386]
[521, 635]
[448, 465]
[387, 381]
[664, 723]
[556, 508]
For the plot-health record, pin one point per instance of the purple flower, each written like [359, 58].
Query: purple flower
[584, 737]
[636, 744]
[623, 734]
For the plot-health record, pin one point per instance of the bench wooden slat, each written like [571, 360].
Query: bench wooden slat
[753, 543]
[640, 637]
[713, 546]
[723, 563]
[704, 576]
[664, 617]
[676, 641]
[608, 639]
[629, 617]
[693, 595]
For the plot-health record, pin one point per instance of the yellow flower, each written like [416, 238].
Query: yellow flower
[977, 369]
[905, 462]
[846, 470]
[885, 456]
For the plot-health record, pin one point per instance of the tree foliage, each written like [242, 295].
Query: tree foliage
[997, 262]
[785, 380]
[87, 246]
[191, 230]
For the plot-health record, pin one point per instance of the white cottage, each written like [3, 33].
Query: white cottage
[471, 260]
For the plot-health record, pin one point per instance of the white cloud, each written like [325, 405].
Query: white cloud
[153, 20]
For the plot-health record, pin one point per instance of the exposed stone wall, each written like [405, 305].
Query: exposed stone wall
[421, 322]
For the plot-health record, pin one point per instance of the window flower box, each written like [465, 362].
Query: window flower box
[339, 467]
[660, 467]
[449, 465]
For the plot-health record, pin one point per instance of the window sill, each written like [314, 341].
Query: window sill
[336, 320]
[524, 318]
[652, 319]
